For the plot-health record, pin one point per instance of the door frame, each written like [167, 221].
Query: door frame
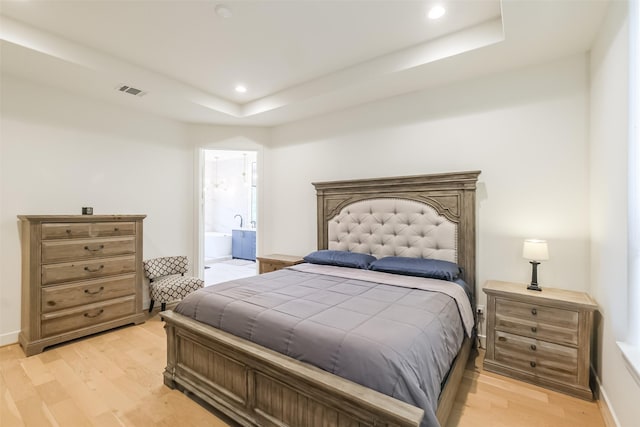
[198, 220]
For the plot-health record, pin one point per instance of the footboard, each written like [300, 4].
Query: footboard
[258, 387]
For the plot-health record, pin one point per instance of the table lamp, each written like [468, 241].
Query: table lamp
[535, 251]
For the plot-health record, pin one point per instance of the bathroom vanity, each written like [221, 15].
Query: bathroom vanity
[243, 243]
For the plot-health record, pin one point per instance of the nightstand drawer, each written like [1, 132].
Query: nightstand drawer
[536, 321]
[544, 359]
[268, 268]
[537, 313]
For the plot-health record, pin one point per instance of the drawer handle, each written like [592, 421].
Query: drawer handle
[502, 338]
[51, 303]
[93, 271]
[534, 329]
[95, 315]
[532, 364]
[87, 248]
[116, 229]
[534, 311]
[68, 230]
[87, 291]
[533, 347]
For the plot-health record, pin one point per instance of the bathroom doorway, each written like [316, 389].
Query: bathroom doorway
[229, 192]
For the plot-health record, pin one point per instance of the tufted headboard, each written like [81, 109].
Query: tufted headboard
[423, 216]
[393, 227]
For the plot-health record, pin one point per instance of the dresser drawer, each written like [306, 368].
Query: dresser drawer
[52, 231]
[544, 359]
[80, 317]
[81, 270]
[65, 296]
[535, 321]
[64, 250]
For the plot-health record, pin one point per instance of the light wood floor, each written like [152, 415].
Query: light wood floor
[115, 379]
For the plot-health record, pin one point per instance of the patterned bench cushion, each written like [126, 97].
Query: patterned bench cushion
[174, 288]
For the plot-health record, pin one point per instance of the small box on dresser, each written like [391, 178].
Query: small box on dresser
[81, 274]
[540, 337]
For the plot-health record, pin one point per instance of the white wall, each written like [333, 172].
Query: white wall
[609, 281]
[526, 130]
[60, 152]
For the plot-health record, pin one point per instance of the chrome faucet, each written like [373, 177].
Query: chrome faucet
[241, 220]
[253, 224]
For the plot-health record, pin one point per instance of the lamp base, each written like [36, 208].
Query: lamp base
[534, 277]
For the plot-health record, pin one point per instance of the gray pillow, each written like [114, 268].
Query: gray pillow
[340, 258]
[421, 267]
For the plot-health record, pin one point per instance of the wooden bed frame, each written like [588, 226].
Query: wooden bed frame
[255, 386]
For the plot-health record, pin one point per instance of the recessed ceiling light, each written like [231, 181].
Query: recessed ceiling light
[223, 11]
[436, 12]
[241, 89]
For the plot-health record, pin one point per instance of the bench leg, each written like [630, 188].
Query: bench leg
[151, 305]
[163, 306]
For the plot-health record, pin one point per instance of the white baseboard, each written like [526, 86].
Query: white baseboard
[483, 341]
[609, 416]
[9, 338]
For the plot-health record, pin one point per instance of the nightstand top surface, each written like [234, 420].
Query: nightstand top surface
[549, 295]
[281, 258]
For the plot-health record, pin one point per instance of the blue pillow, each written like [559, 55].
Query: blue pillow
[340, 259]
[421, 267]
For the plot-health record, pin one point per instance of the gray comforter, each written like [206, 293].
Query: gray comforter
[394, 339]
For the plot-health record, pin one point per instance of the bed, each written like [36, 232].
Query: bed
[427, 216]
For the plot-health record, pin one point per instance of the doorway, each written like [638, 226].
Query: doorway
[229, 213]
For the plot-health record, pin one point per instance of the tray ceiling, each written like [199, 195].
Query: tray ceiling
[296, 58]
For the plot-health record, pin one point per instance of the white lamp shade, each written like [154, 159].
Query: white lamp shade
[535, 250]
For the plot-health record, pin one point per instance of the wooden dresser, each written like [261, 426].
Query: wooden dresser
[81, 274]
[540, 337]
[273, 262]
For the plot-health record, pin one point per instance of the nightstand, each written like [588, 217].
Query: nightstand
[540, 337]
[273, 262]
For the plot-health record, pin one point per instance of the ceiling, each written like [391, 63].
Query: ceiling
[297, 58]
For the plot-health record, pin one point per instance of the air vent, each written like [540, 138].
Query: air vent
[131, 90]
